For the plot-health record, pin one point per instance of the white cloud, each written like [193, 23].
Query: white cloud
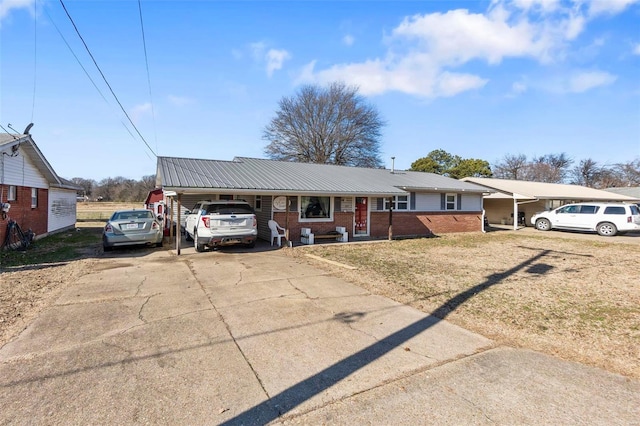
[7, 6]
[427, 54]
[275, 59]
[348, 40]
[180, 101]
[140, 111]
[584, 81]
[636, 49]
[518, 88]
[608, 7]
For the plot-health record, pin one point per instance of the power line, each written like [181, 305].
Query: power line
[84, 69]
[105, 79]
[146, 61]
[35, 56]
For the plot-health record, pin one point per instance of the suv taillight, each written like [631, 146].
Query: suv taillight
[155, 225]
[629, 219]
[205, 221]
[108, 228]
[255, 221]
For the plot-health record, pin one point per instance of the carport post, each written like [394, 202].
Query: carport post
[390, 218]
[178, 225]
[515, 213]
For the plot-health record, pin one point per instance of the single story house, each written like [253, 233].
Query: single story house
[522, 199]
[629, 191]
[32, 194]
[322, 197]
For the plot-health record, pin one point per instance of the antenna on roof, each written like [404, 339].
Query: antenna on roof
[393, 164]
[26, 131]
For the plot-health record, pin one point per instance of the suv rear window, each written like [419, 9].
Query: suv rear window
[229, 209]
[615, 210]
[634, 210]
[588, 209]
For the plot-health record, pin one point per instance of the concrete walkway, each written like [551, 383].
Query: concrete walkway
[255, 338]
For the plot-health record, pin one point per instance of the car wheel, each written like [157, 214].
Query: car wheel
[607, 229]
[199, 247]
[159, 244]
[251, 244]
[187, 236]
[543, 225]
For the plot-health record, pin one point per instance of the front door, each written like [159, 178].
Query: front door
[362, 214]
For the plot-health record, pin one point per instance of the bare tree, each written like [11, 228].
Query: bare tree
[511, 167]
[332, 125]
[550, 168]
[586, 173]
[629, 172]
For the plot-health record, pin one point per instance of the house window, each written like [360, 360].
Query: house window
[258, 203]
[450, 201]
[34, 198]
[225, 197]
[400, 202]
[315, 207]
[11, 195]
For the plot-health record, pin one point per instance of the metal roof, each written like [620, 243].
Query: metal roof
[188, 175]
[525, 190]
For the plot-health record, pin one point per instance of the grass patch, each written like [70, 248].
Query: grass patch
[576, 299]
[60, 247]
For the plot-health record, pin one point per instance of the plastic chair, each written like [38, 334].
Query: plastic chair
[275, 228]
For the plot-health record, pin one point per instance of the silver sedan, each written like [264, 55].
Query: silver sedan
[132, 227]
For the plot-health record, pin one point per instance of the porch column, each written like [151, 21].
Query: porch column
[515, 213]
[390, 218]
[178, 225]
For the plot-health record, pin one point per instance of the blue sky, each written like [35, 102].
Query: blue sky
[479, 79]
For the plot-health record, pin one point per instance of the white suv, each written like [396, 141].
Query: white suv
[608, 219]
[221, 223]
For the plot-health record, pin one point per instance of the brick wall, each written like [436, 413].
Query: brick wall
[339, 219]
[424, 224]
[21, 211]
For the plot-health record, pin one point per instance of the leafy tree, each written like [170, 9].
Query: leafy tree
[332, 125]
[443, 163]
[426, 164]
[471, 167]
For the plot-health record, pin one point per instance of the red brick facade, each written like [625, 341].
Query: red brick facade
[21, 211]
[404, 223]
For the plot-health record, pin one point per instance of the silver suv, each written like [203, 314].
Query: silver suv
[608, 219]
[221, 223]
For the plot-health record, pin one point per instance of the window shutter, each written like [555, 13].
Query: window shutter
[412, 201]
[459, 202]
[443, 201]
[338, 204]
[379, 204]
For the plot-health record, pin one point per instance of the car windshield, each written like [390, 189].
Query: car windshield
[133, 215]
[229, 209]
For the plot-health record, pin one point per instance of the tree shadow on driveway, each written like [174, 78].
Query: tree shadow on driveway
[290, 398]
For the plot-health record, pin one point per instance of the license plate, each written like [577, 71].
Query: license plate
[131, 226]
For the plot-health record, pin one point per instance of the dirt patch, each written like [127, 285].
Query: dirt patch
[578, 300]
[26, 291]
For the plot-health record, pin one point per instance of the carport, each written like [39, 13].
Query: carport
[522, 199]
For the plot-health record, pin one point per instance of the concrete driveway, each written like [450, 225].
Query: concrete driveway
[234, 337]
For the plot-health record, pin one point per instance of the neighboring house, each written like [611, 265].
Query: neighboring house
[629, 191]
[40, 200]
[323, 197]
[522, 199]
